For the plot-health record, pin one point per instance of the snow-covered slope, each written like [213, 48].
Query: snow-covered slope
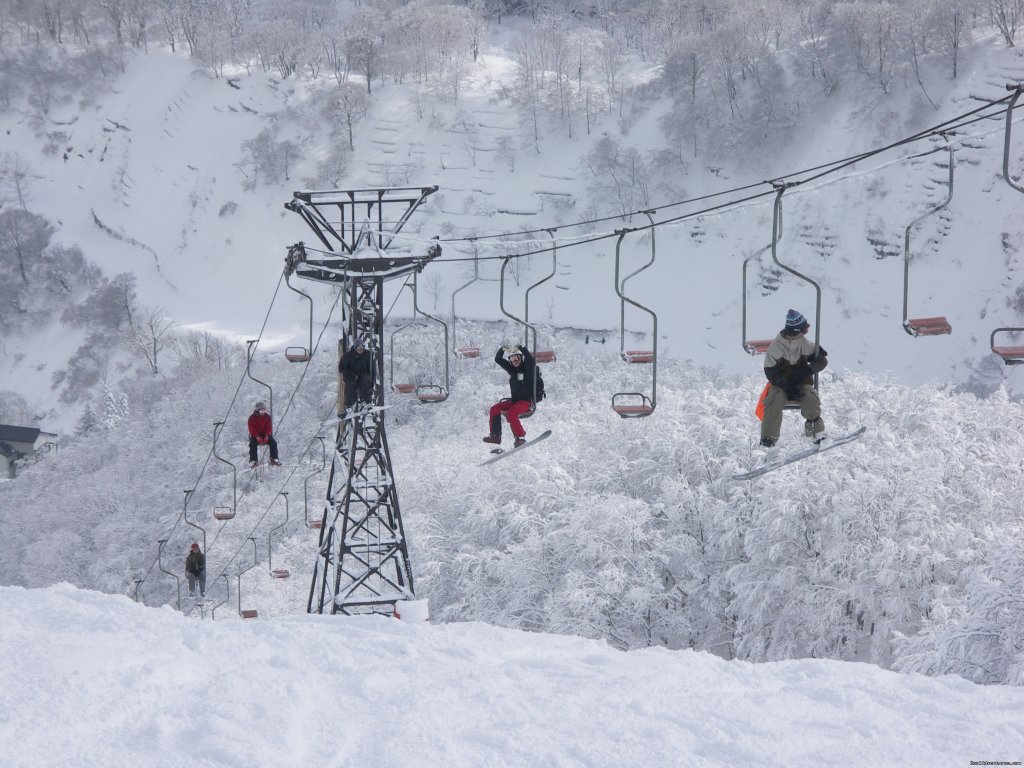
[135, 686]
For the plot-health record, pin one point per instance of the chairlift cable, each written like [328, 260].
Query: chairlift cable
[206, 463]
[842, 162]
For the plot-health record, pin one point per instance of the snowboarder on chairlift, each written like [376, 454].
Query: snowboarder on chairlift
[356, 368]
[522, 369]
[195, 570]
[790, 364]
[261, 432]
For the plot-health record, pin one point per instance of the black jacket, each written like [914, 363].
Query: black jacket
[520, 379]
[195, 563]
[354, 365]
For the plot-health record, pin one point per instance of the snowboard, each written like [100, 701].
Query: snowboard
[501, 453]
[773, 465]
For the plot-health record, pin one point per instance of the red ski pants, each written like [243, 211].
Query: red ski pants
[512, 410]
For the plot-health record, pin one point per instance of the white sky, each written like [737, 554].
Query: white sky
[97, 680]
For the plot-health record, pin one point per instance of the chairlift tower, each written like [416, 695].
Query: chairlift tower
[363, 559]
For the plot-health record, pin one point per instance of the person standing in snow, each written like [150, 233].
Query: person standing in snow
[195, 570]
[261, 432]
[356, 368]
[790, 364]
[522, 370]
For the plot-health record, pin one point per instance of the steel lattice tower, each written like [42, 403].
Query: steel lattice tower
[363, 559]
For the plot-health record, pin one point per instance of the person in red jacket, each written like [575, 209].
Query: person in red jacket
[261, 432]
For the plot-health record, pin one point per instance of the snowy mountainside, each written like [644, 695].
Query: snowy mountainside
[158, 181]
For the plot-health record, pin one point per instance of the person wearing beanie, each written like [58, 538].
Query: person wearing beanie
[524, 381]
[261, 432]
[790, 365]
[195, 570]
[356, 369]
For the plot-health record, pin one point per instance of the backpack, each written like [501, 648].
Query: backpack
[540, 385]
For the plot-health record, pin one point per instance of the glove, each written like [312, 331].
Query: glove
[818, 360]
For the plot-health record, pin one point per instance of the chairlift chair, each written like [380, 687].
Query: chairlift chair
[425, 393]
[431, 393]
[225, 513]
[316, 523]
[526, 327]
[631, 405]
[925, 326]
[540, 355]
[466, 351]
[247, 613]
[781, 188]
[277, 573]
[300, 354]
[1011, 354]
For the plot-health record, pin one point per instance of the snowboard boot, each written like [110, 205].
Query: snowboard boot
[815, 429]
[253, 464]
[520, 441]
[496, 439]
[275, 463]
[768, 442]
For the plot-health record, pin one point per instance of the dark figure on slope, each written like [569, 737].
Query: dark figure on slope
[790, 364]
[261, 432]
[522, 370]
[356, 368]
[195, 570]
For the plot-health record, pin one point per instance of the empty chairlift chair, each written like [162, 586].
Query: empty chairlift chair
[630, 405]
[468, 350]
[225, 512]
[540, 355]
[924, 326]
[431, 393]
[1012, 354]
[300, 354]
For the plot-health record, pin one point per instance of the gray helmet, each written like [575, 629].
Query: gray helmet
[260, 406]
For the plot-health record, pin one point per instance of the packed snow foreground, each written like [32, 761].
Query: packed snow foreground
[97, 680]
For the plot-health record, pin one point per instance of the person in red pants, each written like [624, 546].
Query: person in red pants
[522, 370]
